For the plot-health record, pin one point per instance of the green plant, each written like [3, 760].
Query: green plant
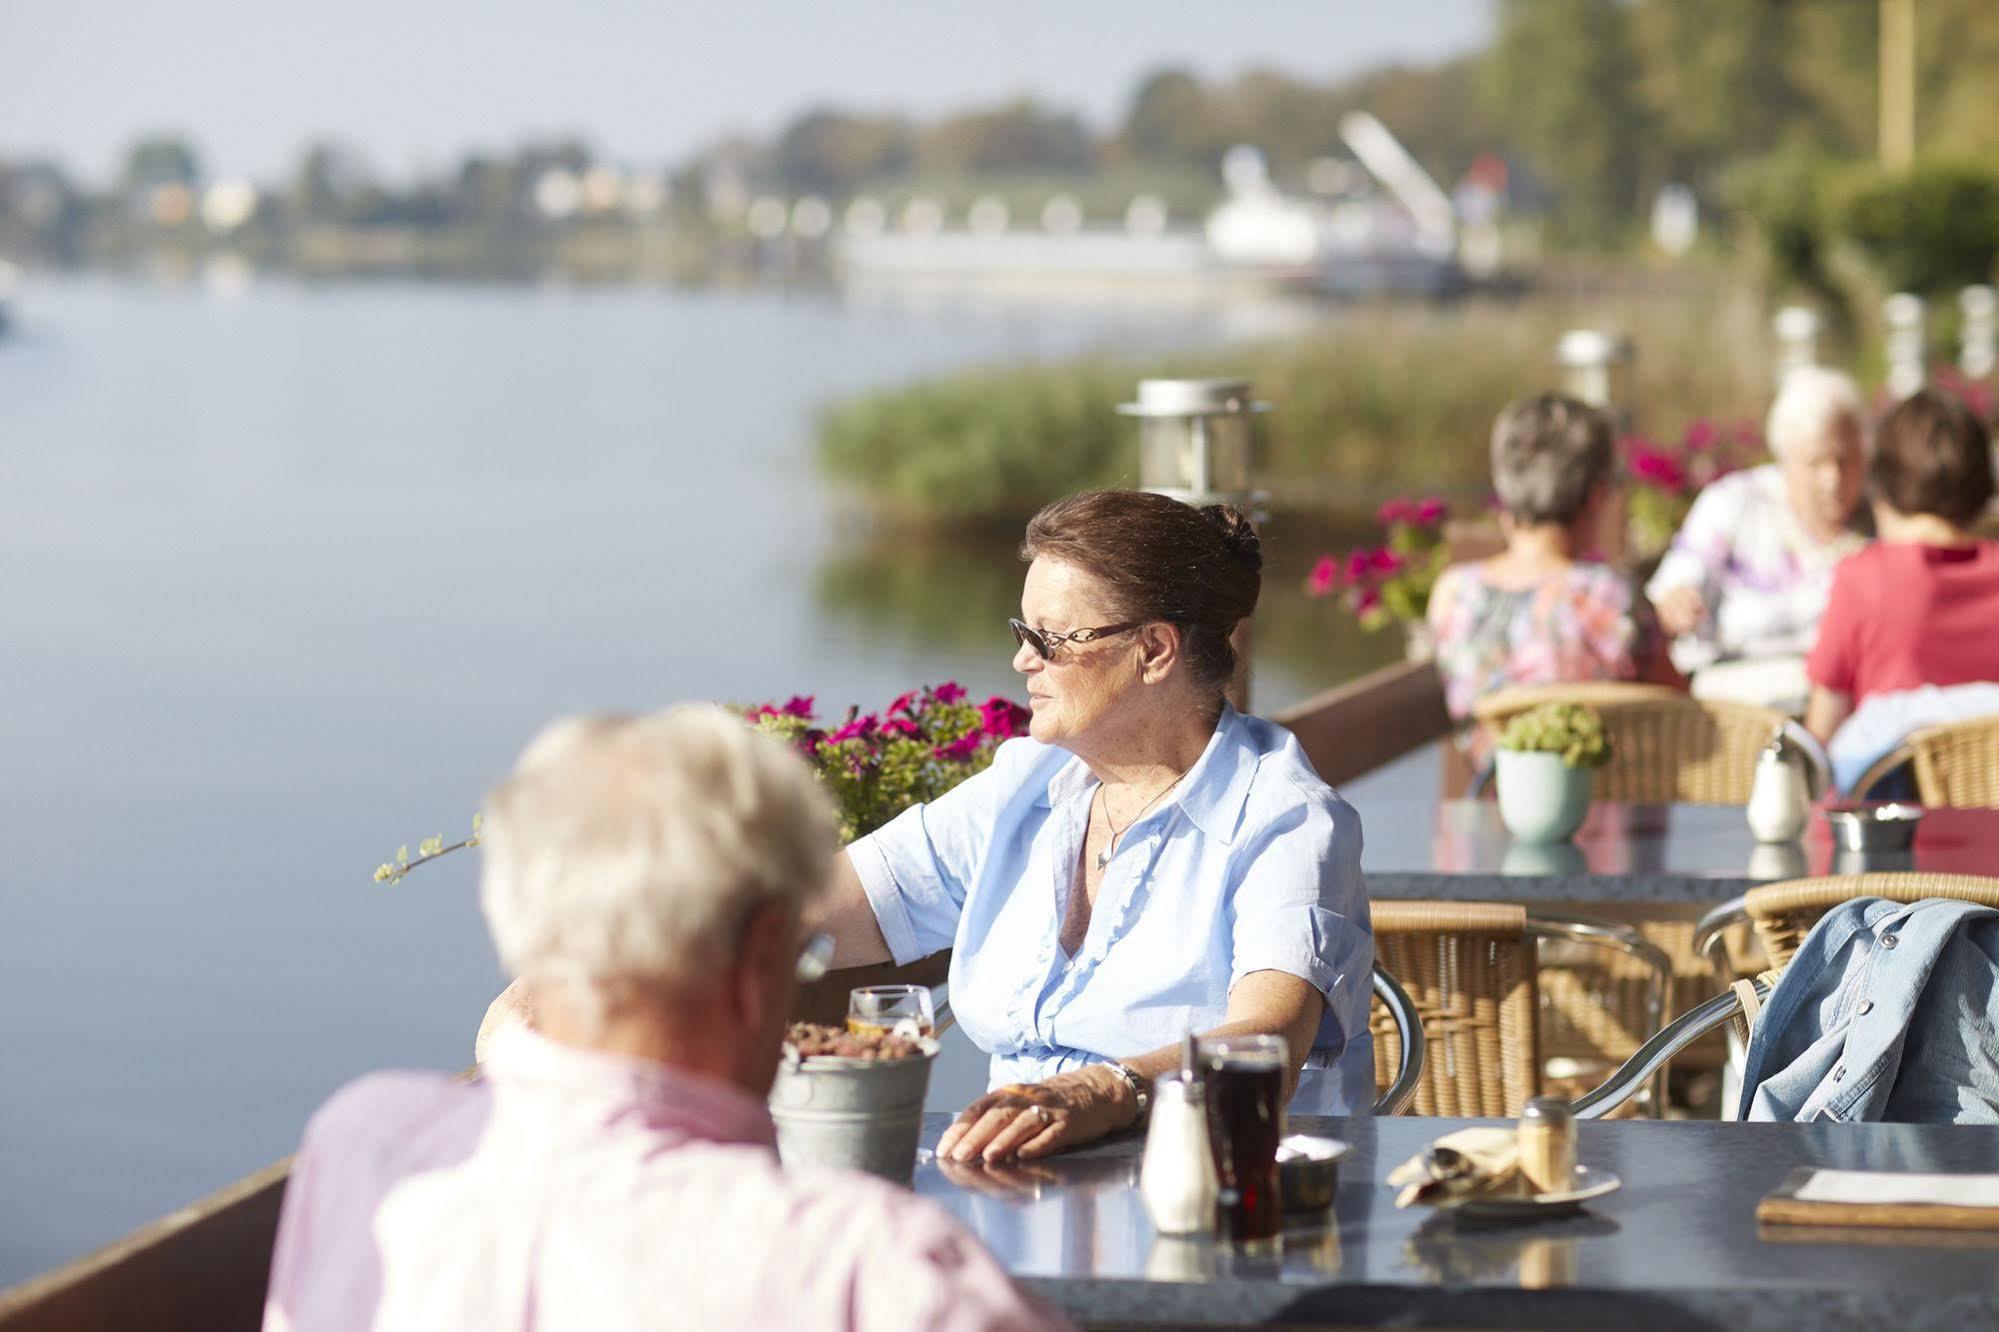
[1573, 730]
[1930, 229]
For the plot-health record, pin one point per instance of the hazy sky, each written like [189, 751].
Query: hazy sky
[416, 82]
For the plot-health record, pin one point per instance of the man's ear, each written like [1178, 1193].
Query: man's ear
[770, 947]
[1158, 651]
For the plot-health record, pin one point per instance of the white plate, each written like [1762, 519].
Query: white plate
[1590, 1184]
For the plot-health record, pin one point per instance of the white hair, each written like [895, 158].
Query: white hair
[635, 848]
[1811, 400]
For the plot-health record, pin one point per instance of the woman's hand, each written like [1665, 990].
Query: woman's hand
[1027, 1121]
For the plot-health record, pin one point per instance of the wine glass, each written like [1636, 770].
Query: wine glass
[881, 1009]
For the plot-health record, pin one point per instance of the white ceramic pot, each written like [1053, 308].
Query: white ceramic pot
[1541, 798]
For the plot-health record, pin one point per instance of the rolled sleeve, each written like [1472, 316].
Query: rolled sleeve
[918, 867]
[1301, 909]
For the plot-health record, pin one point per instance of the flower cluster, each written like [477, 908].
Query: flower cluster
[1392, 581]
[1665, 478]
[875, 765]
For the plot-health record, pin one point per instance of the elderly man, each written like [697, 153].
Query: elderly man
[1743, 586]
[614, 1169]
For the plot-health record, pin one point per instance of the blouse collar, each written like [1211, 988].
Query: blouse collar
[1213, 792]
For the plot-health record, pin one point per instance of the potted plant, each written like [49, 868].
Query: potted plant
[1544, 764]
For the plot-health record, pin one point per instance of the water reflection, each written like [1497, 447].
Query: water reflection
[1453, 1251]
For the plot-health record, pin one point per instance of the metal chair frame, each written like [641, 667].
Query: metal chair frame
[1651, 1060]
[1627, 940]
[1409, 1026]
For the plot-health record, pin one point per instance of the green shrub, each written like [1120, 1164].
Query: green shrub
[1573, 730]
[1931, 229]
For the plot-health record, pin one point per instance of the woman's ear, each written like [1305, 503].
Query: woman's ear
[1158, 651]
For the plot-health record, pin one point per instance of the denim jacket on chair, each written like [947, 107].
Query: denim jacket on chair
[1889, 1012]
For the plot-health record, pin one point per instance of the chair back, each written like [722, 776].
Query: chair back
[1784, 913]
[1958, 764]
[1469, 969]
[1667, 746]
[1410, 1054]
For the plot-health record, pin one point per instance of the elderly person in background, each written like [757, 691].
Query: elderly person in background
[1910, 636]
[1745, 581]
[646, 877]
[1146, 862]
[1541, 613]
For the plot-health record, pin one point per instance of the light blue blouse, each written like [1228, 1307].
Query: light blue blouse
[1252, 865]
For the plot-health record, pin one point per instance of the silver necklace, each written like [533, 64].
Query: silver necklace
[1104, 856]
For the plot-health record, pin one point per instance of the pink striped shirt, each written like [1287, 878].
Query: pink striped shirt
[568, 1190]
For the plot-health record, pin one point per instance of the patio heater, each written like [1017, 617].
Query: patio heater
[1978, 336]
[1904, 315]
[1596, 367]
[1797, 329]
[1195, 439]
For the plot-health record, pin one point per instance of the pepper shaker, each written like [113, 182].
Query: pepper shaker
[1548, 1145]
[1779, 803]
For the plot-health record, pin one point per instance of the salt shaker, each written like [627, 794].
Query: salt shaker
[1779, 804]
[1177, 1178]
[1548, 1145]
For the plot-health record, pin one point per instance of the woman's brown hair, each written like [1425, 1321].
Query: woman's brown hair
[1199, 569]
[1933, 455]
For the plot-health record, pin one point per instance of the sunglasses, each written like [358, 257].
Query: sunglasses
[1045, 641]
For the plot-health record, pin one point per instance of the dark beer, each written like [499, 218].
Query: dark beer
[1245, 1088]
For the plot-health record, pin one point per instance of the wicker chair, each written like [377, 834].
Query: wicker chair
[1667, 746]
[1957, 764]
[1471, 970]
[1784, 913]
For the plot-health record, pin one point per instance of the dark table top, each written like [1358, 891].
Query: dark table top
[1677, 1246]
[1634, 853]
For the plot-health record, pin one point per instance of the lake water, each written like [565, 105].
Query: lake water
[287, 576]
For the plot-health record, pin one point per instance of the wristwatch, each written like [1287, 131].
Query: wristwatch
[1141, 1089]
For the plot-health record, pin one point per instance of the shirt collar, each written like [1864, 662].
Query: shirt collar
[1213, 792]
[706, 1107]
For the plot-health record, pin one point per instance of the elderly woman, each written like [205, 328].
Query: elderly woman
[647, 878]
[1540, 613]
[1910, 636]
[1147, 862]
[1746, 578]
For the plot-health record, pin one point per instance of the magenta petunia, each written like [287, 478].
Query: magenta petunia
[799, 705]
[860, 728]
[1701, 436]
[1367, 600]
[1358, 564]
[961, 749]
[901, 726]
[1001, 718]
[905, 704]
[1325, 576]
[1396, 511]
[1385, 561]
[1662, 470]
[950, 692]
[1431, 511]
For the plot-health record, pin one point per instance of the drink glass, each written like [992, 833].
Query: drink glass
[880, 1009]
[1245, 1089]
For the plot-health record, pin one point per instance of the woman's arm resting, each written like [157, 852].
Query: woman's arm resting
[843, 911]
[1083, 1105]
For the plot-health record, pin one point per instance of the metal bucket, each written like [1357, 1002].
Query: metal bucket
[856, 1114]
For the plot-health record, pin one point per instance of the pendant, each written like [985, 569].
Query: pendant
[1103, 857]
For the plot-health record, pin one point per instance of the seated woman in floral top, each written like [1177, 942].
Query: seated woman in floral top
[1537, 614]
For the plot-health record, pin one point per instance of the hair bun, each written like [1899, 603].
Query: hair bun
[1238, 536]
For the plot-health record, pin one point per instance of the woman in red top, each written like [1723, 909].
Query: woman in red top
[1916, 614]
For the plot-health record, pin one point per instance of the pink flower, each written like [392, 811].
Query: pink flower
[1325, 576]
[1366, 601]
[1662, 470]
[950, 692]
[902, 726]
[799, 705]
[860, 728]
[808, 744]
[759, 712]
[1385, 561]
[1701, 436]
[1358, 564]
[1396, 511]
[1431, 511]
[1001, 718]
[905, 705]
[961, 749]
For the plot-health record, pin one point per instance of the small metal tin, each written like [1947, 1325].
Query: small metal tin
[1890, 827]
[1308, 1171]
